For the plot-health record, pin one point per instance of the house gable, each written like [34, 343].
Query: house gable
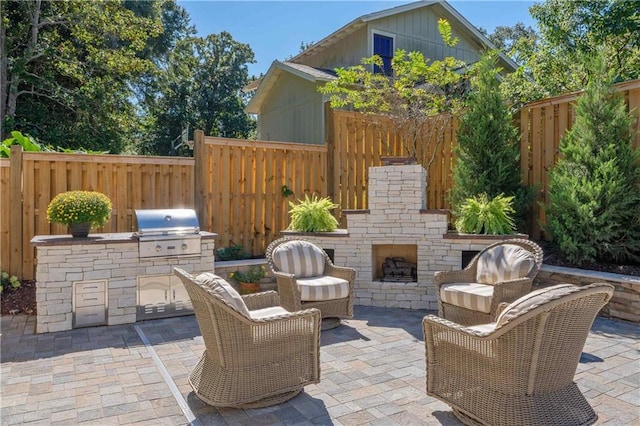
[414, 27]
[293, 111]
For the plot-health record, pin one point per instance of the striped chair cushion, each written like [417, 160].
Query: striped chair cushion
[270, 312]
[217, 285]
[300, 258]
[503, 263]
[322, 288]
[472, 296]
[529, 301]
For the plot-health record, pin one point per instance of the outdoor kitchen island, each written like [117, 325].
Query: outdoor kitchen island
[95, 280]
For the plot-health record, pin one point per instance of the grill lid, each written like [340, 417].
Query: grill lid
[153, 222]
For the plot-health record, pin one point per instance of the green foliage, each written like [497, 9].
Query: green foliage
[252, 275]
[312, 215]
[25, 141]
[79, 207]
[479, 215]
[199, 88]
[569, 33]
[418, 91]
[9, 282]
[286, 191]
[488, 152]
[233, 252]
[594, 189]
[68, 68]
[444, 27]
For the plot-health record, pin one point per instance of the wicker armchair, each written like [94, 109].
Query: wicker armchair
[518, 370]
[257, 353]
[501, 272]
[307, 278]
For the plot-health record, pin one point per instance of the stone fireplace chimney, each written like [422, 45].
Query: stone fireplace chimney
[397, 224]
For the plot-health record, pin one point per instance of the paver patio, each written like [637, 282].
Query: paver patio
[373, 372]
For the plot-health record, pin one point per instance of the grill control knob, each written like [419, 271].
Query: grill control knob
[184, 246]
[158, 248]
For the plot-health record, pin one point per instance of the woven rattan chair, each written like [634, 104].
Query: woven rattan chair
[307, 278]
[519, 370]
[257, 353]
[500, 273]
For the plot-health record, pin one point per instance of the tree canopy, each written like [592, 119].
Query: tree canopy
[570, 33]
[99, 74]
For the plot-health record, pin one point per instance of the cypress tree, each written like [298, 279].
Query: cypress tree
[488, 152]
[594, 189]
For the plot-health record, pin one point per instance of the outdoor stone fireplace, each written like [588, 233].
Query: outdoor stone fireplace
[398, 225]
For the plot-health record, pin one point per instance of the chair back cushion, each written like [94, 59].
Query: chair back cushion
[300, 258]
[530, 301]
[503, 263]
[217, 285]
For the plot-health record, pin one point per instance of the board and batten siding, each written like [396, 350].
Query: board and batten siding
[294, 112]
[345, 52]
[417, 30]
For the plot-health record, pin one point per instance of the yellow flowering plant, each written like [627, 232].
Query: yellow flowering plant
[79, 207]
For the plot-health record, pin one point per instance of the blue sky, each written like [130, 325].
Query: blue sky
[275, 29]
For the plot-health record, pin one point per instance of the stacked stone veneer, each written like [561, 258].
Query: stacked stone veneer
[397, 215]
[63, 260]
[625, 303]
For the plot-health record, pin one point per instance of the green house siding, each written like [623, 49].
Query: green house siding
[293, 112]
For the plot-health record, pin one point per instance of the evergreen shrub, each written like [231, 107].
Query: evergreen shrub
[594, 189]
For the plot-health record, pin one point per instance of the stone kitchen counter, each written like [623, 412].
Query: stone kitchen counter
[95, 280]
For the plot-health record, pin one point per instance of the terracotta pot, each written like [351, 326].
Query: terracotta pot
[248, 288]
[79, 230]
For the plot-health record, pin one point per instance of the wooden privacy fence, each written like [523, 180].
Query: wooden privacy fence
[542, 126]
[131, 182]
[357, 141]
[243, 187]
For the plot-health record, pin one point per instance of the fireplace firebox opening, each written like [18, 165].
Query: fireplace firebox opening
[395, 262]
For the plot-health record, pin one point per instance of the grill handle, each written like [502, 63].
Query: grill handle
[171, 231]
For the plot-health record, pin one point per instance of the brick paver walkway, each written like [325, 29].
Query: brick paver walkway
[373, 372]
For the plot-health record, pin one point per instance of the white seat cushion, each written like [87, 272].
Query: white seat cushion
[503, 263]
[271, 311]
[300, 258]
[529, 301]
[322, 288]
[474, 296]
[218, 285]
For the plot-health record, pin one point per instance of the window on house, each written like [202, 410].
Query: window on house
[383, 47]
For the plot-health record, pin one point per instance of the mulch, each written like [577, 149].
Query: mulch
[23, 299]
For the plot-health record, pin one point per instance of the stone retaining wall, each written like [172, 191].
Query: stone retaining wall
[625, 303]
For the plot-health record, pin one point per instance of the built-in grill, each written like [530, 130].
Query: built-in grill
[167, 232]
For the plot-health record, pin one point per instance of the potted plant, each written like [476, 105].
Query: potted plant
[249, 279]
[313, 215]
[479, 215]
[80, 210]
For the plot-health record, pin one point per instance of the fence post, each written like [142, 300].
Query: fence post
[200, 193]
[329, 142]
[16, 211]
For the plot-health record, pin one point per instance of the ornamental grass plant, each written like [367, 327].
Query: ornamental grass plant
[79, 207]
[479, 215]
[313, 215]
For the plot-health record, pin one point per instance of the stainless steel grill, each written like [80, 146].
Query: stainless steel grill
[167, 232]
